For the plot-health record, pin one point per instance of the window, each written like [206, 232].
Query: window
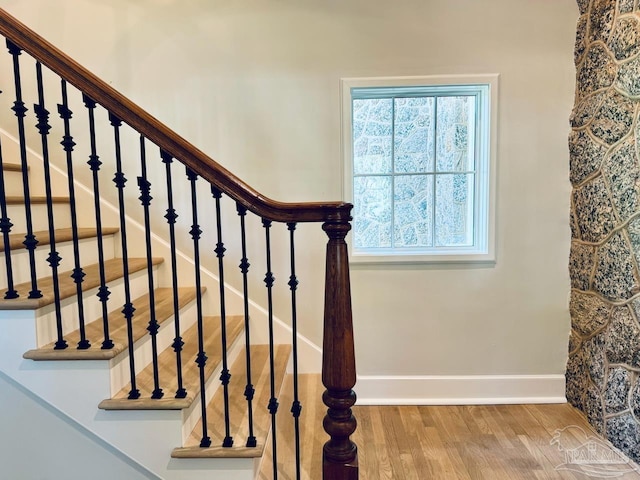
[418, 168]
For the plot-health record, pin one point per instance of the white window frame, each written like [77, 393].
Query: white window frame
[483, 250]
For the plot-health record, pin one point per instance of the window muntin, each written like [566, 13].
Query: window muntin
[419, 171]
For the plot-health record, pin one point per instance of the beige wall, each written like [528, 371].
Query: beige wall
[256, 84]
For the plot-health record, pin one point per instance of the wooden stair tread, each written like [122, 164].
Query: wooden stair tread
[12, 167]
[117, 328]
[190, 370]
[113, 270]
[238, 408]
[60, 235]
[312, 436]
[35, 199]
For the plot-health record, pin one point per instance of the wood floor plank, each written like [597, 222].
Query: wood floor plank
[488, 442]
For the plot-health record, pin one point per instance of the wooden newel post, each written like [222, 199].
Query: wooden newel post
[340, 454]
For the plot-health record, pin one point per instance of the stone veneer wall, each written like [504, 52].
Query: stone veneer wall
[603, 372]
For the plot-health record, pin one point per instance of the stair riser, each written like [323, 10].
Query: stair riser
[13, 184]
[39, 217]
[193, 413]
[20, 259]
[143, 349]
[46, 319]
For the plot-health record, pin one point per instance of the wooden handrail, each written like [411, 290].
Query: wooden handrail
[164, 137]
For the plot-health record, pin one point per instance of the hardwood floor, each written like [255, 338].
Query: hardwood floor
[492, 442]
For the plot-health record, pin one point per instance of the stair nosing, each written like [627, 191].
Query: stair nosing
[61, 235]
[193, 450]
[25, 303]
[167, 403]
[12, 167]
[219, 452]
[48, 353]
[35, 199]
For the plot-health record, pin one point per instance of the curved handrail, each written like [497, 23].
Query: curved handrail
[164, 137]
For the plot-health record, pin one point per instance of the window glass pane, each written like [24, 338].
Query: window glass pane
[372, 135]
[455, 129]
[413, 134]
[454, 210]
[413, 226]
[372, 212]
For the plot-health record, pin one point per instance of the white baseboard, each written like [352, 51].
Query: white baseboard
[460, 389]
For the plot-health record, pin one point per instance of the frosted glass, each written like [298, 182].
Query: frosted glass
[455, 124]
[454, 213]
[413, 167]
[413, 134]
[413, 225]
[372, 212]
[372, 136]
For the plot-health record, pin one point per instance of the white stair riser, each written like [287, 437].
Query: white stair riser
[46, 319]
[20, 259]
[13, 184]
[75, 388]
[120, 375]
[39, 217]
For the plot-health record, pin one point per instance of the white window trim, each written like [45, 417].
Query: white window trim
[484, 253]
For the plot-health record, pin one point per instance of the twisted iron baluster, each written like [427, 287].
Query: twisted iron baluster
[201, 359]
[5, 227]
[296, 407]
[20, 111]
[153, 327]
[249, 391]
[171, 217]
[68, 144]
[54, 257]
[225, 376]
[269, 280]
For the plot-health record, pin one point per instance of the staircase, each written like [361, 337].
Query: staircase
[40, 340]
[111, 316]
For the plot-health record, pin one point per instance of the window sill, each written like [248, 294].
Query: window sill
[487, 259]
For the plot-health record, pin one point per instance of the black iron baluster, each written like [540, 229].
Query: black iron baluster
[128, 309]
[153, 327]
[171, 217]
[5, 227]
[201, 359]
[225, 376]
[94, 163]
[249, 391]
[20, 111]
[296, 406]
[53, 259]
[68, 144]
[269, 280]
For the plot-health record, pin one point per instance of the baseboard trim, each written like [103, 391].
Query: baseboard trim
[460, 389]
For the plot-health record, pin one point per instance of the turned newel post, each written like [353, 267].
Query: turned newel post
[340, 454]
